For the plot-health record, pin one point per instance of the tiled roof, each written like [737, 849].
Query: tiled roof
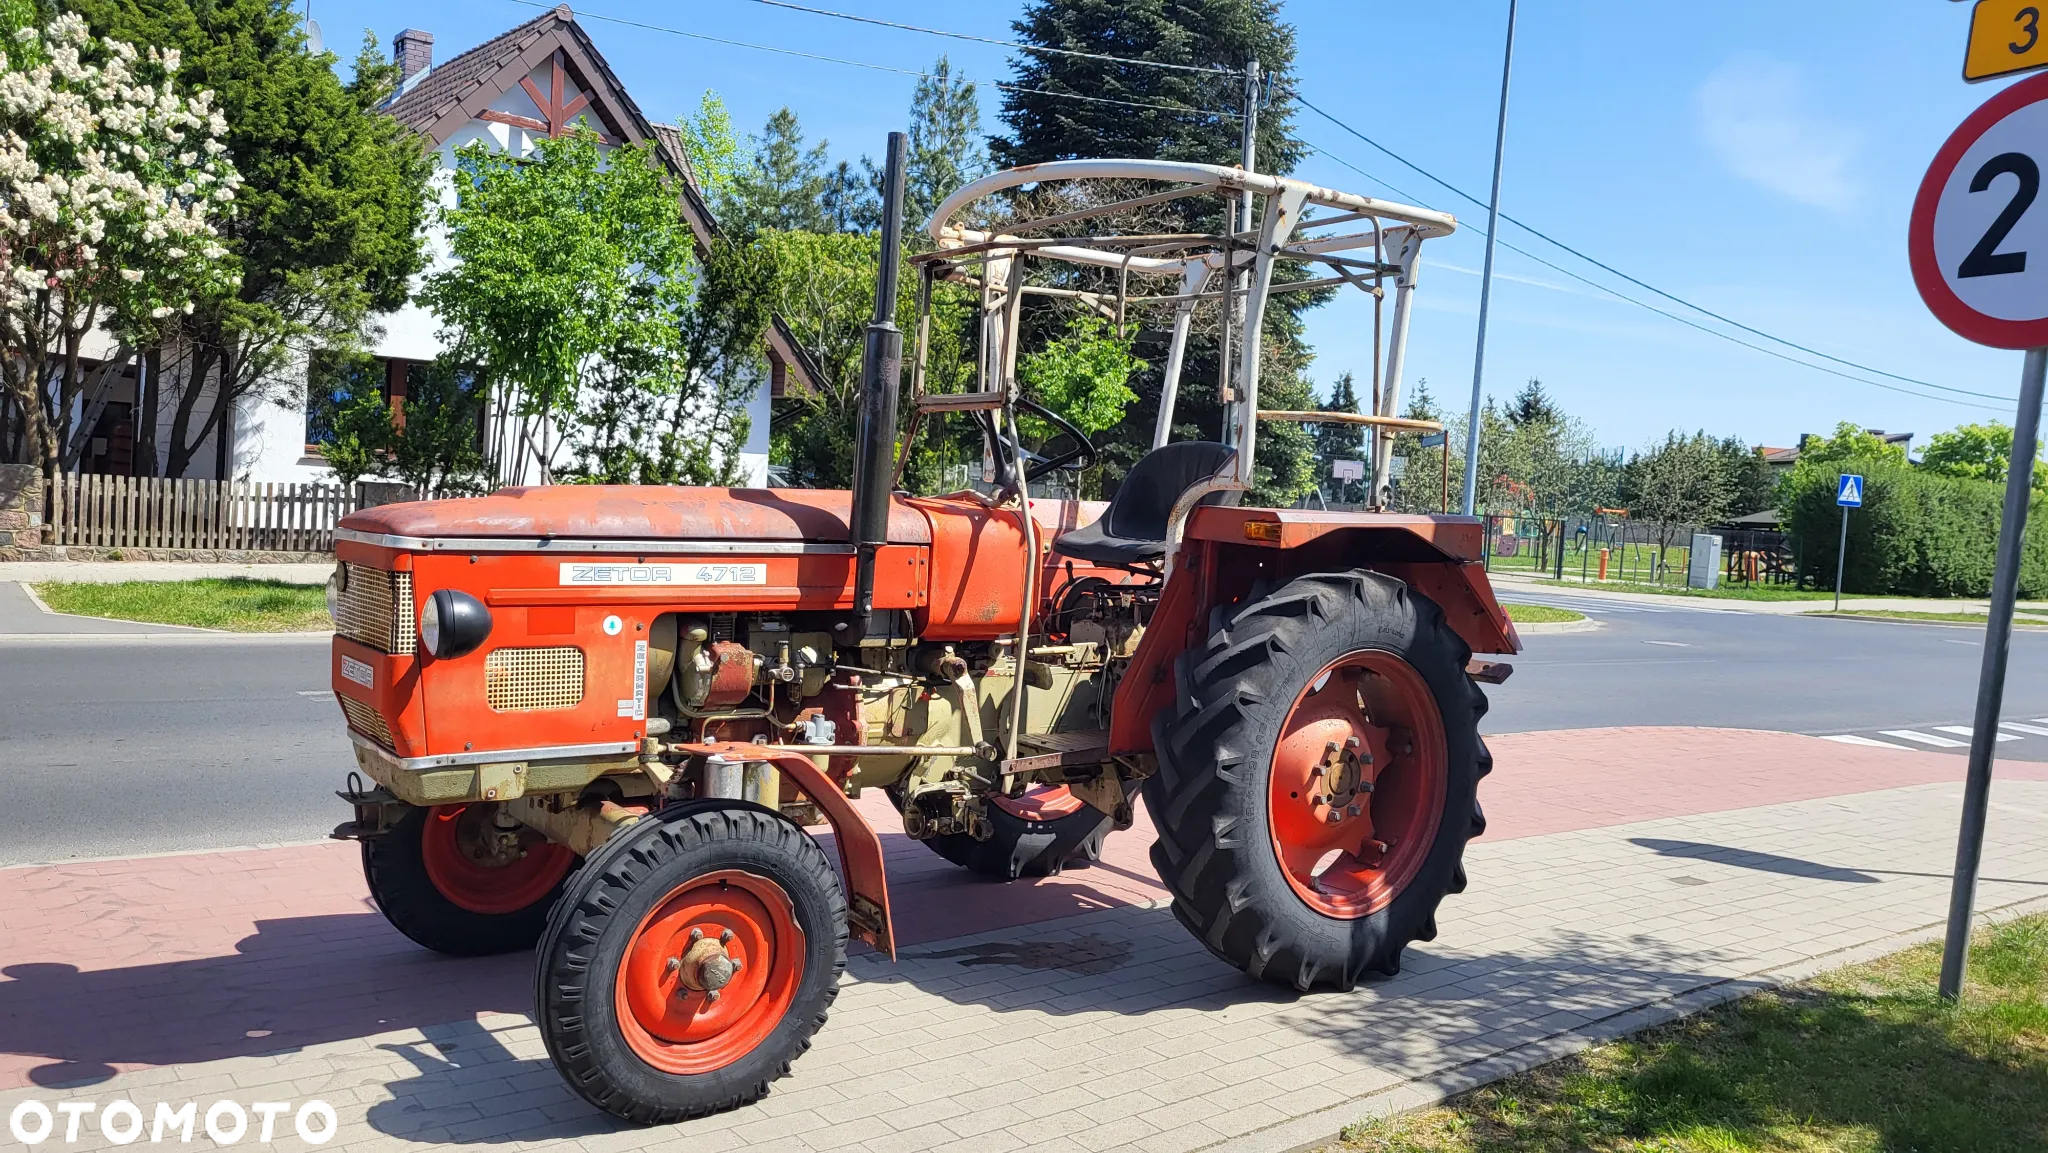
[672, 146]
[445, 85]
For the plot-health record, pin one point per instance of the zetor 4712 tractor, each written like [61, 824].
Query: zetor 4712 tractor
[600, 720]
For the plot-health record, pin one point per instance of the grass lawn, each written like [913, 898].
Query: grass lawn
[1861, 1060]
[236, 604]
[2020, 619]
[1540, 614]
[1737, 592]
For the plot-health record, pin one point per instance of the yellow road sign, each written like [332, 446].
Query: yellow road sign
[2006, 36]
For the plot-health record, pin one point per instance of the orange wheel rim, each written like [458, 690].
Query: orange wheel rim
[1357, 785]
[677, 1028]
[468, 871]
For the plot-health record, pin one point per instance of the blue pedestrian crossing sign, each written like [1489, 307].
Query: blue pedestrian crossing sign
[1851, 493]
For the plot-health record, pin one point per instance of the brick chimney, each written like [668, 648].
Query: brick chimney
[413, 51]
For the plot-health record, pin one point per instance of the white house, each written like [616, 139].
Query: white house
[541, 78]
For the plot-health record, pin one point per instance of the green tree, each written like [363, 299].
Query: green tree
[1532, 406]
[850, 200]
[1977, 452]
[1850, 443]
[1752, 486]
[945, 145]
[784, 185]
[436, 450]
[715, 159]
[573, 275]
[1182, 115]
[327, 228]
[1084, 375]
[1675, 484]
[1342, 442]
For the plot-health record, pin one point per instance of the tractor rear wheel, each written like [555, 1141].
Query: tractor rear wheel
[1317, 778]
[690, 961]
[1036, 835]
[454, 879]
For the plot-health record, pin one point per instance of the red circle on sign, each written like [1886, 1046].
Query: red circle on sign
[1947, 307]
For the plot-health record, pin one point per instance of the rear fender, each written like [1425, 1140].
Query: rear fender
[1229, 550]
[860, 849]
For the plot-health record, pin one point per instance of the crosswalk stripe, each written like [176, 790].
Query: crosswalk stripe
[1926, 739]
[1870, 742]
[2031, 730]
[1967, 731]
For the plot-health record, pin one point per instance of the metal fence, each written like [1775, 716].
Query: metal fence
[1604, 548]
[155, 512]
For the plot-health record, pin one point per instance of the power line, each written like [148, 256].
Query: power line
[999, 43]
[1639, 283]
[1687, 321]
[642, 25]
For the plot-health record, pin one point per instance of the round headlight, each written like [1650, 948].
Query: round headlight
[453, 624]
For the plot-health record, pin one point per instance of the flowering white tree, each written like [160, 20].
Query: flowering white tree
[110, 186]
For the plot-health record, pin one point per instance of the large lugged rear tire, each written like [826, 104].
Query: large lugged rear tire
[690, 962]
[436, 877]
[1317, 779]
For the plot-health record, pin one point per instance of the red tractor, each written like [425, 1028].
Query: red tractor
[600, 720]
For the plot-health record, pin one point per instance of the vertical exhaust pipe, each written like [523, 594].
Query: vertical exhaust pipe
[881, 370]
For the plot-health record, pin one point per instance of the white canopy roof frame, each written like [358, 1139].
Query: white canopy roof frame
[1386, 244]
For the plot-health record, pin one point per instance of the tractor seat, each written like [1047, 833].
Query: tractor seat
[1134, 527]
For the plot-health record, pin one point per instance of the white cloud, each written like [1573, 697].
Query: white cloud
[1752, 111]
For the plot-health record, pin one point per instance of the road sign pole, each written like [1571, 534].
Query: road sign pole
[1500, 150]
[2005, 581]
[1841, 554]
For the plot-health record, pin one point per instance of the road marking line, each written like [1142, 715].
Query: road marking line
[316, 693]
[1669, 644]
[1923, 738]
[2034, 730]
[1852, 739]
[1966, 731]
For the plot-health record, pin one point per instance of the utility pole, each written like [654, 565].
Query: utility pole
[1500, 144]
[1240, 221]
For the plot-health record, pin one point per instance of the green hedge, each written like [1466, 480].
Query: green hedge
[1917, 534]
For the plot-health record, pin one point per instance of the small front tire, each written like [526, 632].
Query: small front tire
[453, 880]
[690, 962]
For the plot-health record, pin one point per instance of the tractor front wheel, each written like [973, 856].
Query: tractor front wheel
[1317, 778]
[690, 961]
[459, 881]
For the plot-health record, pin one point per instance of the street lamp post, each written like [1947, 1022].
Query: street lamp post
[1500, 144]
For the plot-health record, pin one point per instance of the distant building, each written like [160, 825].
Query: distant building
[1782, 459]
[539, 79]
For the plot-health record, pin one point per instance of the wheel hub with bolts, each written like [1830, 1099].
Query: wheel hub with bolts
[705, 967]
[1350, 796]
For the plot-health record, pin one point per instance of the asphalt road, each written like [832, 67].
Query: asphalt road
[112, 747]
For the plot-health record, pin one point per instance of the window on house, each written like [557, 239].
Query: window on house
[336, 379]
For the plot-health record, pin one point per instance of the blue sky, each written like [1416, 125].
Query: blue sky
[1758, 157]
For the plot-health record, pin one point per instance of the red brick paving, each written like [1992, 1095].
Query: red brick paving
[121, 964]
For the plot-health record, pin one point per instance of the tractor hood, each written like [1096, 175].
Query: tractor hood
[636, 512]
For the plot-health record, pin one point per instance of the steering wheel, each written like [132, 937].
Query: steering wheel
[1081, 456]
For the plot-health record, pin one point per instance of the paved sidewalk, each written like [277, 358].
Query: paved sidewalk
[1628, 875]
[1507, 584]
[113, 572]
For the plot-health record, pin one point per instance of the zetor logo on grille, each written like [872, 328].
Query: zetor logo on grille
[574, 573]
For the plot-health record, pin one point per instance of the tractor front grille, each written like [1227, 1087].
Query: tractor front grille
[366, 720]
[523, 680]
[375, 608]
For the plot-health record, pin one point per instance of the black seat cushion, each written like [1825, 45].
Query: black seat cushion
[1134, 527]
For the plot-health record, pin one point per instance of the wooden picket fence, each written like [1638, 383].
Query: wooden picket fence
[154, 512]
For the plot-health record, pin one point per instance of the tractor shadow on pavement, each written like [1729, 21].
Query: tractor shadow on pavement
[486, 1082]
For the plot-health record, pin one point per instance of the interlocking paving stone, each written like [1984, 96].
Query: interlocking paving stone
[262, 976]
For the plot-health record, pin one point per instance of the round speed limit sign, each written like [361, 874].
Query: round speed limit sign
[1979, 237]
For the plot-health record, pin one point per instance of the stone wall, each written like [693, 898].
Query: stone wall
[21, 506]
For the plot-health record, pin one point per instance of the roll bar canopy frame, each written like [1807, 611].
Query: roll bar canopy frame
[1245, 259]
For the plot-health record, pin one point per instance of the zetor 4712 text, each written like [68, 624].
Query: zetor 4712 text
[603, 722]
